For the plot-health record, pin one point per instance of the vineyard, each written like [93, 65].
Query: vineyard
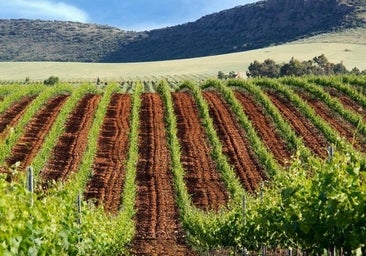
[179, 167]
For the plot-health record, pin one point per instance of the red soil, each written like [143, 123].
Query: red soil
[235, 144]
[109, 165]
[36, 131]
[71, 145]
[342, 126]
[158, 231]
[264, 127]
[347, 101]
[204, 183]
[311, 135]
[12, 115]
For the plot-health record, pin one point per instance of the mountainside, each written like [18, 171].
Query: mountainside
[37, 40]
[241, 28]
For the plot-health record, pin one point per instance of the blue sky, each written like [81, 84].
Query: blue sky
[126, 14]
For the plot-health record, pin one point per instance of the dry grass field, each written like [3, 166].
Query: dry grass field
[352, 54]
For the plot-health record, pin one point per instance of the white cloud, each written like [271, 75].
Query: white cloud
[41, 9]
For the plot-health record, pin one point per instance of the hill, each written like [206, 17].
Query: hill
[242, 28]
[38, 40]
[351, 55]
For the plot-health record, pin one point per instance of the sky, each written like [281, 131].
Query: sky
[137, 15]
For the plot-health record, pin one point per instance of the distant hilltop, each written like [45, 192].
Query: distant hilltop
[295, 4]
[241, 28]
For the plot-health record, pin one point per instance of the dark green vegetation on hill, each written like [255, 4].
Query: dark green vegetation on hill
[37, 40]
[238, 29]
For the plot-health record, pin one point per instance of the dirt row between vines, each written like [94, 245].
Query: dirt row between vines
[312, 136]
[68, 151]
[35, 132]
[11, 116]
[338, 123]
[264, 127]
[347, 101]
[204, 183]
[235, 144]
[158, 230]
[106, 184]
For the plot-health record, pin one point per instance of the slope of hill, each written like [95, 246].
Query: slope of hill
[352, 55]
[243, 28]
[252, 26]
[37, 40]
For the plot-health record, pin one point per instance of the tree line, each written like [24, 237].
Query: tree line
[317, 66]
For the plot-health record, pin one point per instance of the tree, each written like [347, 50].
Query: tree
[321, 60]
[52, 80]
[232, 74]
[317, 66]
[269, 68]
[339, 69]
[324, 64]
[295, 68]
[221, 75]
[355, 71]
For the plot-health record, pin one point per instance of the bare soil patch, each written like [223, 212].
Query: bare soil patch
[312, 137]
[106, 184]
[11, 116]
[69, 148]
[158, 230]
[203, 181]
[35, 132]
[342, 126]
[264, 127]
[235, 144]
[347, 101]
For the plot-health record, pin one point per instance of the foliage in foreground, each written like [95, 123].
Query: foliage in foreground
[51, 226]
[314, 205]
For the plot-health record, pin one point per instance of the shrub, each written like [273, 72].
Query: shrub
[317, 66]
[52, 80]
[269, 68]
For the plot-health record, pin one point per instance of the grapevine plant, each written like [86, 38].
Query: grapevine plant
[312, 204]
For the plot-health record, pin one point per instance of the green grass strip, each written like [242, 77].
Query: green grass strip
[129, 194]
[127, 210]
[183, 197]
